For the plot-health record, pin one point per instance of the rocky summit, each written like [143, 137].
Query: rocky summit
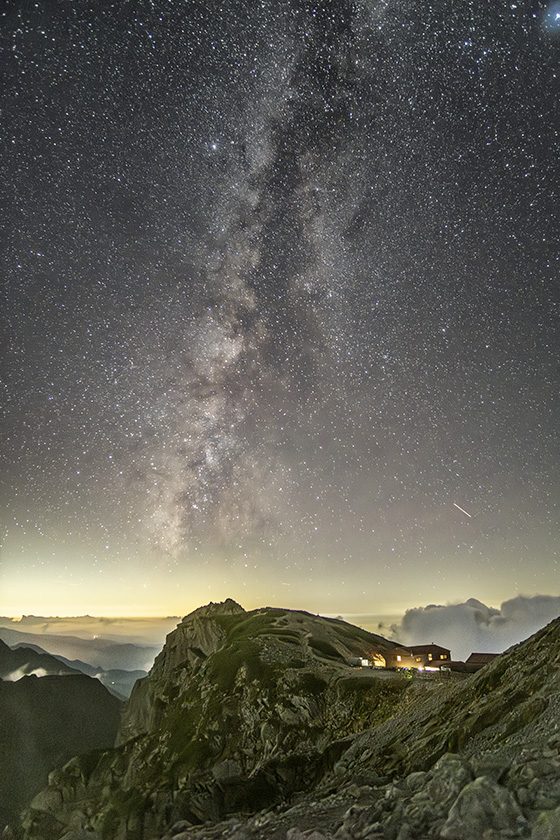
[255, 726]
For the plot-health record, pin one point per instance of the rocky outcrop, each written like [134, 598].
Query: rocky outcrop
[450, 802]
[197, 637]
[253, 726]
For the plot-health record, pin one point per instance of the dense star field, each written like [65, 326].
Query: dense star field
[281, 318]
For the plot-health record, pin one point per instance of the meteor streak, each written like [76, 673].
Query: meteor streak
[462, 510]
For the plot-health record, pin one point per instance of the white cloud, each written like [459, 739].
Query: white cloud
[16, 675]
[474, 627]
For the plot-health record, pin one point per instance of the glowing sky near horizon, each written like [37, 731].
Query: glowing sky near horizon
[281, 320]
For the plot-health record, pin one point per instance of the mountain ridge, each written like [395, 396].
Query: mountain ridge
[102, 653]
[245, 714]
[21, 661]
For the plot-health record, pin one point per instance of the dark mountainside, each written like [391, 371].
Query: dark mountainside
[44, 721]
[252, 726]
[116, 680]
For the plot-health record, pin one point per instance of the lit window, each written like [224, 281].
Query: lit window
[398, 658]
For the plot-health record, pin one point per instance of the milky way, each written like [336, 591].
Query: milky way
[281, 290]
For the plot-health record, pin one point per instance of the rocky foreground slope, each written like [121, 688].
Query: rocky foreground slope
[253, 726]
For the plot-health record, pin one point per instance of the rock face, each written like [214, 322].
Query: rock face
[252, 726]
[43, 723]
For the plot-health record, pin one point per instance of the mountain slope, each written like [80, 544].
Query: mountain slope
[238, 710]
[246, 712]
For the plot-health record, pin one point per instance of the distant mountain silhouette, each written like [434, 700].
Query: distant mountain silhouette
[22, 660]
[31, 659]
[99, 653]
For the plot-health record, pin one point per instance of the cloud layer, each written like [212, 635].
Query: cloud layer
[474, 627]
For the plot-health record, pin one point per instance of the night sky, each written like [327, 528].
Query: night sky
[281, 302]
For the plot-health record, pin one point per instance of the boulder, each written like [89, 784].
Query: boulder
[448, 778]
[547, 826]
[481, 806]
[435, 792]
